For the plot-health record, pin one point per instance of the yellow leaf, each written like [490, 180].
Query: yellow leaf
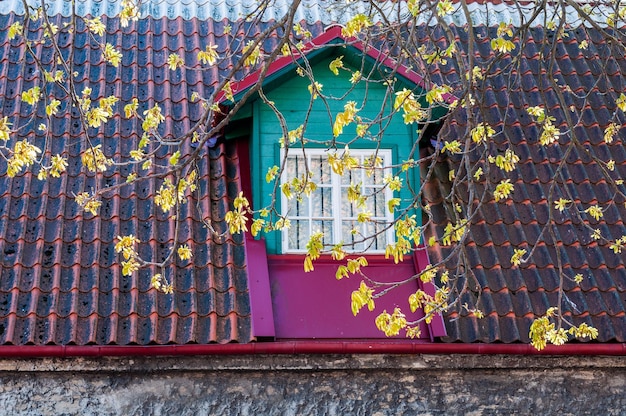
[15, 29]
[335, 65]
[175, 157]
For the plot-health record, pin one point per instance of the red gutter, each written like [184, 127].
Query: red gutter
[307, 347]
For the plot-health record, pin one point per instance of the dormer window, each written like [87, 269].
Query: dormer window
[287, 301]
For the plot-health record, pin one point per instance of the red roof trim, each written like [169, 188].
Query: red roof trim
[332, 33]
[309, 347]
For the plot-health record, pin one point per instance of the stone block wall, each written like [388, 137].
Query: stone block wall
[314, 384]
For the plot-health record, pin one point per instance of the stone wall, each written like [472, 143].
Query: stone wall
[314, 384]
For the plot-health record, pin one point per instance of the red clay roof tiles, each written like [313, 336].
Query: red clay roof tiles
[60, 282]
[59, 279]
[513, 296]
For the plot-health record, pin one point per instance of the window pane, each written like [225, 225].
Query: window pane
[327, 209]
[375, 202]
[294, 167]
[322, 202]
[298, 208]
[298, 234]
[351, 176]
[348, 209]
[320, 169]
[327, 228]
[380, 241]
[349, 237]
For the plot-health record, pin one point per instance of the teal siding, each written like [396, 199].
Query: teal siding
[292, 98]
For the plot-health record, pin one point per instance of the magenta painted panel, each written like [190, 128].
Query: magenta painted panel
[259, 287]
[317, 305]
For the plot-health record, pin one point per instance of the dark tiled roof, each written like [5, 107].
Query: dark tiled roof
[60, 279]
[512, 297]
[59, 282]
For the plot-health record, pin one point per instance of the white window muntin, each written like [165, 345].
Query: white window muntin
[328, 210]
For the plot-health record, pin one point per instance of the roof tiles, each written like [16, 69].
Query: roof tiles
[60, 282]
[59, 279]
[512, 297]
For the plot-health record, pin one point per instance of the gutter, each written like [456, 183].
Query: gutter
[306, 347]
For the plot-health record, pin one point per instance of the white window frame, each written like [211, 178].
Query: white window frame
[336, 186]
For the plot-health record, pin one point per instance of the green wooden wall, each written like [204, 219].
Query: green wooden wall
[291, 96]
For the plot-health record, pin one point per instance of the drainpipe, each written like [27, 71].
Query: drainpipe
[307, 347]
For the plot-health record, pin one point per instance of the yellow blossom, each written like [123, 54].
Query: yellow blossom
[436, 93]
[507, 161]
[344, 118]
[595, 211]
[88, 202]
[209, 55]
[15, 29]
[112, 55]
[131, 109]
[356, 77]
[126, 246]
[561, 204]
[96, 26]
[412, 109]
[517, 257]
[610, 165]
[24, 155]
[537, 111]
[482, 132]
[130, 266]
[314, 89]
[596, 234]
[502, 45]
[153, 118]
[444, 7]
[184, 252]
[95, 160]
[611, 132]
[550, 133]
[237, 218]
[391, 324]
[96, 116]
[52, 107]
[361, 298]
[59, 164]
[503, 190]
[5, 129]
[130, 11]
[335, 65]
[453, 147]
[621, 102]
[355, 25]
[254, 56]
[32, 95]
[174, 61]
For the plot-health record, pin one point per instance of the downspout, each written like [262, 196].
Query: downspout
[307, 347]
